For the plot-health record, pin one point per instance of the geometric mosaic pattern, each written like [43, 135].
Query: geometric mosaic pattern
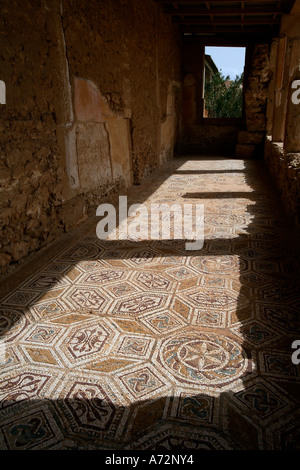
[121, 344]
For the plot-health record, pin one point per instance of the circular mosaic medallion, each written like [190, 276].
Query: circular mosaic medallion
[204, 358]
[82, 252]
[218, 264]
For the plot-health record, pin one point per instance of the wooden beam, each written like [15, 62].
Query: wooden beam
[195, 29]
[243, 16]
[229, 21]
[226, 41]
[190, 11]
[208, 8]
[216, 1]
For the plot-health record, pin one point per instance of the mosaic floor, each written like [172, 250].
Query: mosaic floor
[144, 345]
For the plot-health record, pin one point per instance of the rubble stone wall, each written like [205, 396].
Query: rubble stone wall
[93, 89]
[285, 172]
[250, 142]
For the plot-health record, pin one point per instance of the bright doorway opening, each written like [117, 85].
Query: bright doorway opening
[223, 82]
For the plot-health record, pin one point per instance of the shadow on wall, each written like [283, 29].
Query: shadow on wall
[212, 371]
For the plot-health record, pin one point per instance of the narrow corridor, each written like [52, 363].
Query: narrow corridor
[144, 345]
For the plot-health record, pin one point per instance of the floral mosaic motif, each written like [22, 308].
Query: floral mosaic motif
[204, 358]
[89, 298]
[84, 341]
[211, 298]
[103, 277]
[21, 387]
[143, 345]
[220, 220]
[280, 293]
[90, 406]
[139, 304]
[143, 257]
[153, 281]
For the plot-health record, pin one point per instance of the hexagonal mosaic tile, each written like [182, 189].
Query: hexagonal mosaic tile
[122, 344]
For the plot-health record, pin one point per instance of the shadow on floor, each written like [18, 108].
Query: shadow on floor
[143, 345]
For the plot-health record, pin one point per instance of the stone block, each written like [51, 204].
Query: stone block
[245, 151]
[256, 122]
[20, 250]
[245, 137]
[293, 165]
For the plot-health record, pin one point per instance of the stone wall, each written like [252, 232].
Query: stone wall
[250, 140]
[93, 89]
[285, 172]
[282, 147]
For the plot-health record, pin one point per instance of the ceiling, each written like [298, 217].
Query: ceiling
[221, 20]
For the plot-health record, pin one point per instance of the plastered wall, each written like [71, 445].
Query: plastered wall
[92, 98]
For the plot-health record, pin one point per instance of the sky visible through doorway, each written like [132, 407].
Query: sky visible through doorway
[229, 60]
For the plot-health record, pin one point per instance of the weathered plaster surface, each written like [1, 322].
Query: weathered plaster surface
[88, 111]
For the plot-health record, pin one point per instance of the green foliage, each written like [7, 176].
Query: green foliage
[223, 101]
